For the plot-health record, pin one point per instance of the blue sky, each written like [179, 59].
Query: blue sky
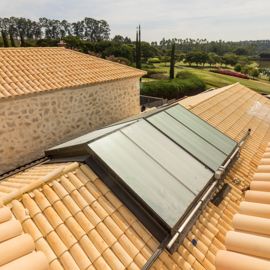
[211, 19]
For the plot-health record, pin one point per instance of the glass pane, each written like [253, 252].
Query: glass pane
[90, 136]
[208, 132]
[189, 140]
[161, 191]
[188, 170]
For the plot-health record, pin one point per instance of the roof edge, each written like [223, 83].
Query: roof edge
[29, 48]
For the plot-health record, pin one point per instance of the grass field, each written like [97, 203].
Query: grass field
[218, 80]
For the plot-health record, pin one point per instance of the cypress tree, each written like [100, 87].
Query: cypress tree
[5, 39]
[172, 62]
[140, 50]
[22, 39]
[11, 39]
[137, 50]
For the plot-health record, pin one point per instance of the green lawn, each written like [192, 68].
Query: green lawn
[218, 79]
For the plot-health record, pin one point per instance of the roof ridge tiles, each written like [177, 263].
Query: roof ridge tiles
[39, 182]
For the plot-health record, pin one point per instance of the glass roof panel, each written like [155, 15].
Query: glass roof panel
[202, 128]
[190, 141]
[150, 181]
[91, 136]
[184, 167]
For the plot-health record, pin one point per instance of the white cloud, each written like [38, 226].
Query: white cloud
[211, 19]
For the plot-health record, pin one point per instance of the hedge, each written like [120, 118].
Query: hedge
[154, 60]
[174, 88]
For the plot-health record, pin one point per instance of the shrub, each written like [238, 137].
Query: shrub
[238, 68]
[115, 59]
[118, 50]
[28, 44]
[174, 88]
[91, 53]
[146, 66]
[154, 60]
[224, 72]
[185, 75]
[125, 60]
[158, 76]
[155, 71]
[47, 42]
[216, 84]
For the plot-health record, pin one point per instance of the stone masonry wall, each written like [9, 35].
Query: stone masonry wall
[30, 124]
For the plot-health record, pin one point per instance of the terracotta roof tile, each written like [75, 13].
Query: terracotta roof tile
[29, 65]
[17, 249]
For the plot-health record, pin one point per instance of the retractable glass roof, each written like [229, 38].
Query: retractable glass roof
[164, 161]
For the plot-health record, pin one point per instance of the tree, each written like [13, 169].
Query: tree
[251, 48]
[172, 62]
[264, 54]
[118, 38]
[22, 40]
[213, 58]
[65, 29]
[4, 37]
[244, 60]
[96, 30]
[237, 67]
[245, 70]
[118, 50]
[138, 48]
[47, 42]
[11, 39]
[133, 49]
[204, 58]
[241, 51]
[78, 29]
[127, 41]
[166, 59]
[229, 59]
[148, 51]
[193, 57]
[254, 73]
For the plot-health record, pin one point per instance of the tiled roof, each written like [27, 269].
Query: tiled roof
[17, 249]
[77, 216]
[32, 70]
[19, 183]
[248, 246]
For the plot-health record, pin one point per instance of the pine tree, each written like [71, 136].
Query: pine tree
[172, 62]
[4, 39]
[22, 39]
[11, 39]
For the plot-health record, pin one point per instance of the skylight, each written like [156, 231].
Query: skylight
[164, 161]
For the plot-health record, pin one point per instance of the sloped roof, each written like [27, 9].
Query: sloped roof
[248, 246]
[117, 239]
[32, 70]
[17, 249]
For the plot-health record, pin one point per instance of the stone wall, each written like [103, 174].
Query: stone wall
[32, 123]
